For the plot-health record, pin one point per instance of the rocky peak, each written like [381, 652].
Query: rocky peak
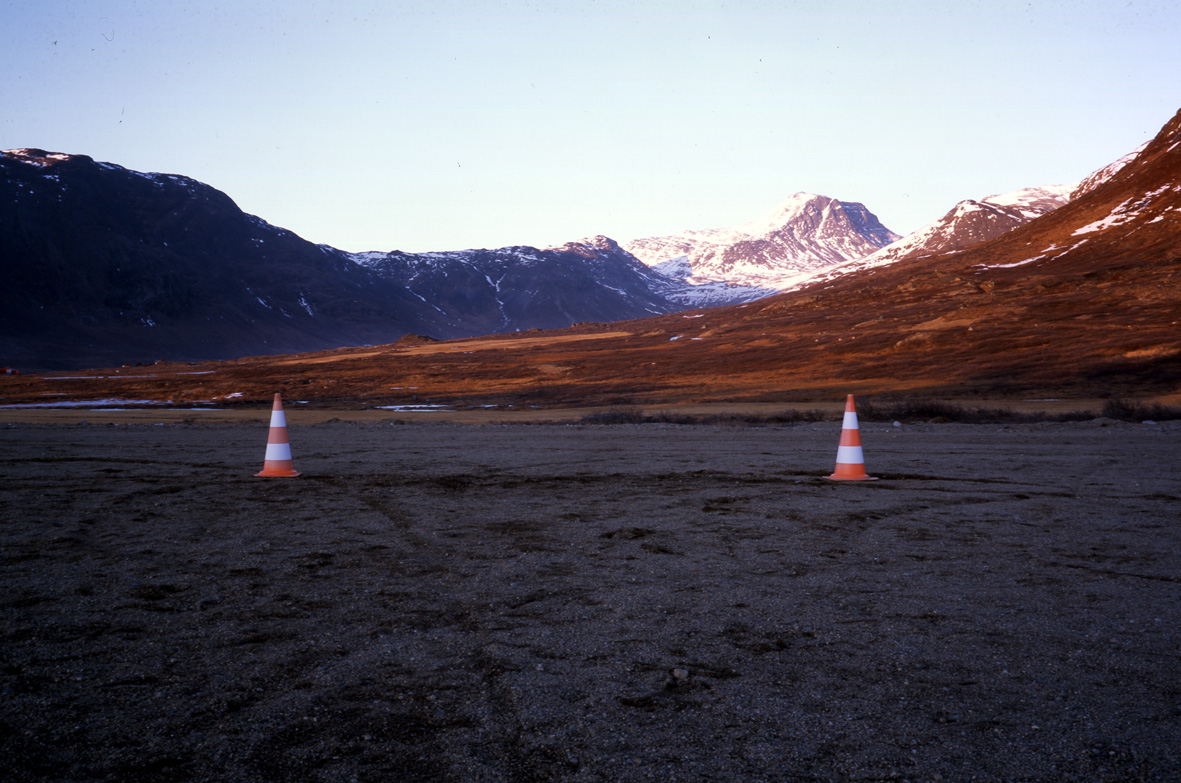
[590, 247]
[804, 233]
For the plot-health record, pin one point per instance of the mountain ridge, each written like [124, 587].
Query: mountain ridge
[1083, 301]
[104, 264]
[972, 221]
[805, 233]
[1107, 236]
[107, 265]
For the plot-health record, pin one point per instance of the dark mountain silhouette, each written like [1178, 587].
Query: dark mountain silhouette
[104, 265]
[1083, 301]
[524, 287]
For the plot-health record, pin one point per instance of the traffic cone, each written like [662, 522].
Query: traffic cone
[850, 460]
[278, 459]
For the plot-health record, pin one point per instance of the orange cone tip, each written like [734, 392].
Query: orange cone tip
[278, 458]
[850, 460]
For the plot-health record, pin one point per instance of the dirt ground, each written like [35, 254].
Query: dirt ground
[526, 603]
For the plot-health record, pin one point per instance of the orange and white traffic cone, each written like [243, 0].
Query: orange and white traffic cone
[278, 459]
[850, 460]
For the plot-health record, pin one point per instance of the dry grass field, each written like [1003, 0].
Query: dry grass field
[563, 602]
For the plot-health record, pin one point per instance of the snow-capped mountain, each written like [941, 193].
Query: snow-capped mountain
[1036, 201]
[525, 287]
[805, 233]
[1081, 302]
[973, 221]
[1097, 178]
[104, 265]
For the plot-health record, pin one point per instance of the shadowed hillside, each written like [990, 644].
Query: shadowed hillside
[1084, 301]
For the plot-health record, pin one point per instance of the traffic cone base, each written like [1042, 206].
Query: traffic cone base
[850, 459]
[277, 463]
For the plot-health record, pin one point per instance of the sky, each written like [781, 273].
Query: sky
[444, 124]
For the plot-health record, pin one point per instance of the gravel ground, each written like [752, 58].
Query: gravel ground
[439, 602]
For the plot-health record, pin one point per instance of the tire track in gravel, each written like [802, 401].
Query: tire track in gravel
[514, 759]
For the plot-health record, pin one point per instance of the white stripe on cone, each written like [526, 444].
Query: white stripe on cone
[850, 455]
[278, 451]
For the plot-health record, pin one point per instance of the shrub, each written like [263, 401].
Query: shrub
[620, 415]
[908, 410]
[1131, 410]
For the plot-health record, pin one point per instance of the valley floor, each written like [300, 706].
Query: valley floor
[440, 602]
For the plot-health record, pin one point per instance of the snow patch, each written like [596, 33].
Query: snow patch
[1124, 213]
[86, 403]
[415, 408]
[1016, 263]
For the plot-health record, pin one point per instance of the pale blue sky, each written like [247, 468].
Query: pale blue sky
[442, 125]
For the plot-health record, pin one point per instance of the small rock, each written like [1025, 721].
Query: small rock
[680, 674]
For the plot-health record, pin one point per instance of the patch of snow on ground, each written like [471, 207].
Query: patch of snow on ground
[415, 408]
[1100, 225]
[1026, 196]
[86, 403]
[1016, 263]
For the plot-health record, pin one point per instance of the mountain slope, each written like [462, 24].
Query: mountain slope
[1084, 301]
[1097, 178]
[517, 288]
[970, 222]
[805, 233]
[104, 265]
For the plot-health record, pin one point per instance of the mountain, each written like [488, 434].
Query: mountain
[1083, 301]
[1097, 178]
[805, 233]
[516, 288]
[970, 222]
[104, 265]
